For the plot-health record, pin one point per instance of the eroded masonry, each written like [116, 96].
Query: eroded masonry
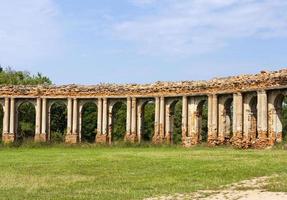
[248, 106]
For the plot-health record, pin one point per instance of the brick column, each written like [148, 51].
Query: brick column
[12, 120]
[139, 120]
[39, 137]
[134, 136]
[73, 114]
[6, 136]
[162, 118]
[101, 137]
[168, 123]
[128, 121]
[156, 136]
[212, 119]
[262, 120]
[184, 124]
[237, 128]
[69, 116]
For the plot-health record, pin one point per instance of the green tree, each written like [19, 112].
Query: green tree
[26, 111]
[89, 122]
[119, 121]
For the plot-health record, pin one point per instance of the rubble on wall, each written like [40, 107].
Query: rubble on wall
[263, 80]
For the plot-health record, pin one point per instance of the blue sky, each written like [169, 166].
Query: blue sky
[142, 41]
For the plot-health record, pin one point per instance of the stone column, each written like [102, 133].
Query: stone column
[110, 123]
[193, 121]
[100, 116]
[105, 117]
[155, 138]
[184, 124]
[6, 136]
[246, 120]
[237, 128]
[44, 117]
[134, 136]
[69, 116]
[262, 122]
[221, 121]
[168, 123]
[12, 119]
[102, 131]
[72, 137]
[212, 119]
[128, 121]
[38, 127]
[75, 117]
[139, 120]
[162, 119]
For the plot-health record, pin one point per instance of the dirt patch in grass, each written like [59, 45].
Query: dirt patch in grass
[254, 189]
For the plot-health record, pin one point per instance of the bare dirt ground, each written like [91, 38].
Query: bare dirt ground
[244, 190]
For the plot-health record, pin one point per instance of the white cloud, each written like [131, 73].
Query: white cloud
[180, 27]
[143, 2]
[28, 31]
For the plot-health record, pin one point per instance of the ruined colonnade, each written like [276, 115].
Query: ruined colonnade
[244, 111]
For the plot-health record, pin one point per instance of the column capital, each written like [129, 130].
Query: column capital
[261, 92]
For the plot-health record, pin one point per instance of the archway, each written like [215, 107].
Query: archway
[253, 119]
[228, 119]
[1, 120]
[58, 121]
[88, 128]
[148, 112]
[280, 118]
[26, 118]
[119, 112]
[202, 121]
[175, 117]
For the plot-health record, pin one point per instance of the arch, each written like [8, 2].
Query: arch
[25, 120]
[279, 117]
[1, 117]
[118, 117]
[146, 117]
[201, 120]
[57, 120]
[225, 118]
[174, 121]
[88, 121]
[253, 119]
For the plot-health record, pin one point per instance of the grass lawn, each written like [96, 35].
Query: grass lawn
[130, 172]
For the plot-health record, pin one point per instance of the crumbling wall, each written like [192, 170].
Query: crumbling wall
[263, 80]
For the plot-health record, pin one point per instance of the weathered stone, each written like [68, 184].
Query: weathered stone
[254, 121]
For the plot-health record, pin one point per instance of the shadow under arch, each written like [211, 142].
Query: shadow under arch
[281, 112]
[119, 118]
[175, 117]
[57, 125]
[25, 121]
[202, 121]
[88, 122]
[148, 117]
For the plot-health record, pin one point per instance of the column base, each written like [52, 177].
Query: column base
[8, 138]
[189, 141]
[262, 143]
[40, 137]
[212, 139]
[102, 139]
[71, 138]
[279, 137]
[157, 139]
[131, 138]
[236, 140]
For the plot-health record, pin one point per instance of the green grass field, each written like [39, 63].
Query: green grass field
[130, 172]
